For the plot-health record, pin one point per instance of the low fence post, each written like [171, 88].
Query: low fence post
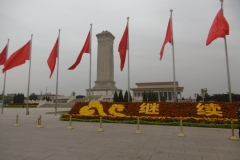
[100, 129]
[16, 124]
[181, 134]
[138, 130]
[70, 123]
[233, 136]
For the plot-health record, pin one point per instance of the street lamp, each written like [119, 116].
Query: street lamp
[203, 92]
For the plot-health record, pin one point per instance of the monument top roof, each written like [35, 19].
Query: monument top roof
[105, 33]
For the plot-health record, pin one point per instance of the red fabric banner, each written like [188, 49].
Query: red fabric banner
[52, 58]
[85, 49]
[122, 48]
[219, 28]
[18, 58]
[3, 56]
[168, 38]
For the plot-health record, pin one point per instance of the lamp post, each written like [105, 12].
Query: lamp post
[203, 92]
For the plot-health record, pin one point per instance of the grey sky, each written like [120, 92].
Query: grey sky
[197, 65]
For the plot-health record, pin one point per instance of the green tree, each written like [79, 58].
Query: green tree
[120, 96]
[115, 98]
[47, 98]
[22, 98]
[150, 96]
[30, 97]
[33, 96]
[125, 99]
[15, 98]
[155, 96]
[224, 97]
[235, 97]
[18, 98]
[130, 97]
[207, 97]
[144, 95]
[162, 99]
[199, 98]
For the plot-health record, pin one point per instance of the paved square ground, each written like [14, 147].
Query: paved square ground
[117, 142]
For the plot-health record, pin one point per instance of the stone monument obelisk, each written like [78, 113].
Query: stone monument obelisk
[104, 85]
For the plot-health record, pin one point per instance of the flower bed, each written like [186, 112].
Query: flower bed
[162, 112]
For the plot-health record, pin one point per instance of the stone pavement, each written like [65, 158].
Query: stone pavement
[118, 141]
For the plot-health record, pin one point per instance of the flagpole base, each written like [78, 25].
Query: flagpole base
[181, 135]
[233, 138]
[16, 124]
[70, 127]
[100, 130]
[138, 132]
[39, 126]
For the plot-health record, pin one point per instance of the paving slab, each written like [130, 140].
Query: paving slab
[117, 142]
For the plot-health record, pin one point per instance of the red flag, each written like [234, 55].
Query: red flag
[52, 58]
[85, 49]
[168, 38]
[219, 28]
[18, 58]
[122, 48]
[3, 56]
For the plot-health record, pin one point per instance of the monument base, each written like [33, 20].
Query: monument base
[101, 94]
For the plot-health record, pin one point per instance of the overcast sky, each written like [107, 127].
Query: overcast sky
[196, 65]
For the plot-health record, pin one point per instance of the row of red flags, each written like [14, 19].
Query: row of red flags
[219, 28]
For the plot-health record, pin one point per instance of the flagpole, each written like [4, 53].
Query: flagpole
[4, 83]
[128, 61]
[228, 73]
[174, 81]
[57, 71]
[89, 91]
[27, 110]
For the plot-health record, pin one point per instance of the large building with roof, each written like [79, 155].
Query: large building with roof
[162, 89]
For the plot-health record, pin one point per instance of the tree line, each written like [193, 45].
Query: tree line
[120, 98]
[147, 96]
[219, 97]
[19, 98]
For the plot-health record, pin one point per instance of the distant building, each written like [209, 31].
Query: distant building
[11, 94]
[53, 97]
[163, 89]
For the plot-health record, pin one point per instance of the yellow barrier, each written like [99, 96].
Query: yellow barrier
[181, 134]
[138, 131]
[233, 136]
[70, 123]
[100, 129]
[16, 124]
